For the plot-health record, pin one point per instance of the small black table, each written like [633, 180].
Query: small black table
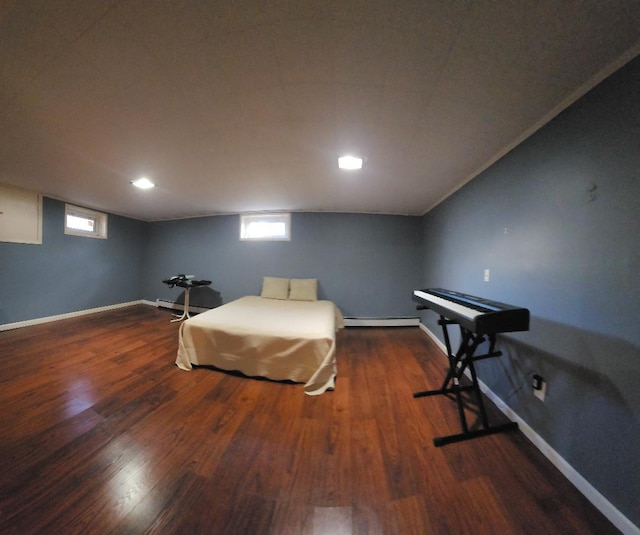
[187, 282]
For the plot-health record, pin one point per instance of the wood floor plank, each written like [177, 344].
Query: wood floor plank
[20, 455]
[102, 433]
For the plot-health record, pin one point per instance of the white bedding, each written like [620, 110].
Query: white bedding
[273, 338]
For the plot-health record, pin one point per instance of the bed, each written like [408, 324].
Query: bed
[280, 339]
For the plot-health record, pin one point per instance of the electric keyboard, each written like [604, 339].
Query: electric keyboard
[476, 314]
[479, 320]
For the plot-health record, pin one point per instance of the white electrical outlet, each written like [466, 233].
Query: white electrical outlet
[542, 392]
[487, 275]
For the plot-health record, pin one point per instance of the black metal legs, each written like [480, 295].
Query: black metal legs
[459, 362]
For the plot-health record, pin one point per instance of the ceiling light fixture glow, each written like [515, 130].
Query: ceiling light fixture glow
[143, 183]
[350, 162]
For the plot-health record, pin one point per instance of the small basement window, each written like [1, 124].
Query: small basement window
[265, 227]
[84, 222]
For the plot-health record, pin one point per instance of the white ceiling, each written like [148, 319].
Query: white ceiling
[246, 105]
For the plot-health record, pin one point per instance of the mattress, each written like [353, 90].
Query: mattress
[274, 338]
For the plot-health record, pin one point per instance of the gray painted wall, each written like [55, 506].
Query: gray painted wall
[70, 273]
[558, 223]
[367, 264]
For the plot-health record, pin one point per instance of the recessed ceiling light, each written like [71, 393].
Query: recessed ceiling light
[350, 162]
[143, 183]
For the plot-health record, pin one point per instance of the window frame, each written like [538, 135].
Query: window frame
[100, 218]
[267, 217]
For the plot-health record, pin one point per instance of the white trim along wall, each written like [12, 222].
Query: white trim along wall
[47, 319]
[591, 493]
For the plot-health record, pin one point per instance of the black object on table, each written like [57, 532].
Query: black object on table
[187, 282]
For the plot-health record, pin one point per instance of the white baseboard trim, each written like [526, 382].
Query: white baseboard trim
[589, 491]
[381, 322]
[47, 319]
[433, 337]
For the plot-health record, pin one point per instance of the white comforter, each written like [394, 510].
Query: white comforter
[273, 338]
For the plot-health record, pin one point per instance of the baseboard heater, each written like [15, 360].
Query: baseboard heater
[348, 322]
[163, 303]
[382, 322]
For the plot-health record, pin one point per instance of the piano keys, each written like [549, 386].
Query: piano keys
[476, 314]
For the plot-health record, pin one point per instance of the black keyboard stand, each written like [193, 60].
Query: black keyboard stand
[464, 358]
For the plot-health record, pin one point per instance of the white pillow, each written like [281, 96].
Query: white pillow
[303, 289]
[275, 288]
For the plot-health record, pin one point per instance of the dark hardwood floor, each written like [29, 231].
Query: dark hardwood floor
[102, 433]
